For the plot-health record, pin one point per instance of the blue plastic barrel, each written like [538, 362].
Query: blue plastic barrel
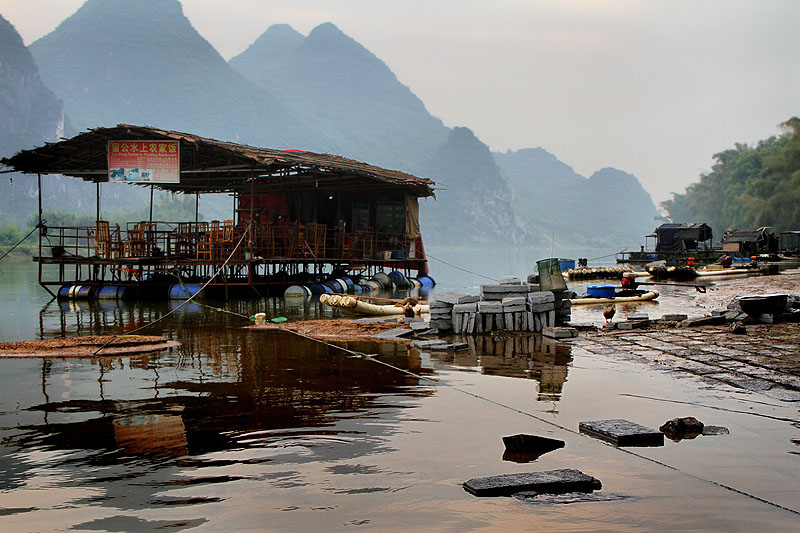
[601, 291]
[566, 264]
[293, 291]
[184, 291]
[63, 292]
[108, 292]
[317, 288]
[427, 282]
[76, 292]
[384, 280]
[339, 285]
[349, 282]
[399, 279]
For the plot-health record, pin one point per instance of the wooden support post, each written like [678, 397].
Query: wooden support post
[151, 203]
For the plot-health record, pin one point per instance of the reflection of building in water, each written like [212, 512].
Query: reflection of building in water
[523, 356]
[151, 434]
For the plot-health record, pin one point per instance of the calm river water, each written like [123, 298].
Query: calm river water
[243, 430]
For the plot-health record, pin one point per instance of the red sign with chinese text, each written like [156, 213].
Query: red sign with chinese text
[144, 161]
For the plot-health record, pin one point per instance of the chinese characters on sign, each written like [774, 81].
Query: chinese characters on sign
[138, 161]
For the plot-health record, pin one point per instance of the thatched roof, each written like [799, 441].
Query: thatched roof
[209, 165]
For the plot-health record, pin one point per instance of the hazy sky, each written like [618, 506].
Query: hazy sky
[652, 87]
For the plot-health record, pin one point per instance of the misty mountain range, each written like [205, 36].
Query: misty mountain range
[142, 62]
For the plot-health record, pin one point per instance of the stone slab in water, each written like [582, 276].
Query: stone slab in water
[559, 332]
[622, 432]
[396, 333]
[374, 319]
[548, 482]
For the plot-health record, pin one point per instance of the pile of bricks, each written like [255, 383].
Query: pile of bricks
[510, 305]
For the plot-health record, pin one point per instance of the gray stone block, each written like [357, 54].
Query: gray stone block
[674, 317]
[559, 333]
[548, 482]
[704, 321]
[514, 300]
[509, 281]
[468, 299]
[638, 316]
[490, 307]
[373, 319]
[541, 297]
[445, 297]
[427, 345]
[442, 324]
[633, 324]
[396, 333]
[420, 326]
[509, 290]
[542, 308]
[466, 308]
[622, 432]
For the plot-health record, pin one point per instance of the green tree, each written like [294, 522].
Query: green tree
[748, 186]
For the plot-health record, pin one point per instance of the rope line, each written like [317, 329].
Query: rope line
[20, 242]
[189, 299]
[608, 255]
[459, 268]
[369, 357]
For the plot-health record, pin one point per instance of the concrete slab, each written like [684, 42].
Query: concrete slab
[420, 326]
[445, 298]
[559, 332]
[396, 333]
[704, 321]
[547, 482]
[622, 432]
[372, 320]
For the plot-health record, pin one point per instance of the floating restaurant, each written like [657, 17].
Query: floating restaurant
[298, 217]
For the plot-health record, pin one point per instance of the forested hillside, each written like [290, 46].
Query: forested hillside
[747, 187]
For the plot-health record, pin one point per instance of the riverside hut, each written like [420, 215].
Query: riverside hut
[298, 216]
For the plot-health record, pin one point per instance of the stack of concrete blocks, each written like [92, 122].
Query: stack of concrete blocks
[509, 305]
[441, 306]
[563, 307]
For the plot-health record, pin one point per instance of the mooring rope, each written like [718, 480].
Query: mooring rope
[37, 226]
[189, 299]
[370, 357]
[459, 268]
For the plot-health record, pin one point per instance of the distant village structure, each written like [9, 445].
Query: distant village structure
[299, 217]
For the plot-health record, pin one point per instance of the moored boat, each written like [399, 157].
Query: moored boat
[363, 307]
[645, 296]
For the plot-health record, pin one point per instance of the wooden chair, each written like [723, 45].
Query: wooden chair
[136, 242]
[264, 241]
[207, 247]
[313, 240]
[226, 238]
[107, 243]
[364, 243]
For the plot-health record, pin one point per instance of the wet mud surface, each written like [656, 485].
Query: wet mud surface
[86, 346]
[766, 359]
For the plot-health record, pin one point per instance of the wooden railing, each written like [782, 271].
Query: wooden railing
[214, 241]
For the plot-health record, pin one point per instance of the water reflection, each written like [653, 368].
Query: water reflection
[126, 429]
[519, 356]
